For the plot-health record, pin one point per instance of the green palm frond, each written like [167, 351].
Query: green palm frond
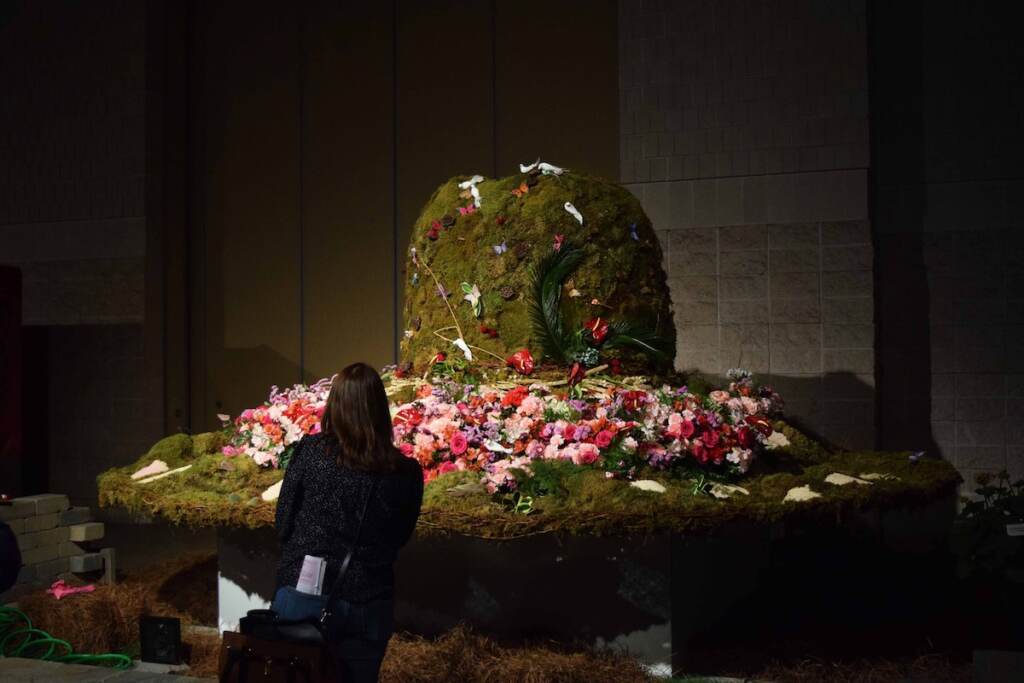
[643, 339]
[547, 280]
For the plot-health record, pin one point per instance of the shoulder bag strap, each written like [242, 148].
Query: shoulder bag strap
[325, 614]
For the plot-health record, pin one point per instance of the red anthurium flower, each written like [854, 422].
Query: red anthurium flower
[439, 357]
[576, 373]
[598, 328]
[760, 424]
[631, 400]
[515, 396]
[521, 361]
[409, 416]
[559, 240]
[489, 331]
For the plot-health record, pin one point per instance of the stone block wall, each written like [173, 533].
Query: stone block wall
[744, 134]
[53, 537]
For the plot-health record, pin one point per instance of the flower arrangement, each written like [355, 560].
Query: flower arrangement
[449, 426]
[268, 434]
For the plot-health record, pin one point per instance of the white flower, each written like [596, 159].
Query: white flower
[776, 440]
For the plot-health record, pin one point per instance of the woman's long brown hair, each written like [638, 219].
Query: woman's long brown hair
[358, 417]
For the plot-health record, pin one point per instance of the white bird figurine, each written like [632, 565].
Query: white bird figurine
[461, 343]
[550, 169]
[471, 182]
[575, 213]
[526, 168]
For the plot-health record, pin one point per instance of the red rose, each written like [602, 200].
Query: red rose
[458, 444]
[576, 374]
[700, 453]
[686, 429]
[598, 328]
[745, 437]
[568, 431]
[522, 361]
[710, 438]
[514, 397]
[603, 438]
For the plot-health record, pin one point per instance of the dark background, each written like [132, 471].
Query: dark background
[207, 198]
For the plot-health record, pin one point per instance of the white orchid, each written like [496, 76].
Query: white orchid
[471, 185]
[472, 295]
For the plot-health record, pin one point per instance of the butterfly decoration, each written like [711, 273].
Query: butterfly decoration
[471, 190]
[574, 212]
[633, 233]
[414, 256]
[415, 279]
[559, 240]
[914, 457]
[529, 168]
[472, 295]
[500, 249]
[521, 190]
[467, 210]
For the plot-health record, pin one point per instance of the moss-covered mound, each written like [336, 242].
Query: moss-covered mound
[495, 246]
[220, 491]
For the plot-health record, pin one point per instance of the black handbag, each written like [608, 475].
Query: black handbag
[272, 650]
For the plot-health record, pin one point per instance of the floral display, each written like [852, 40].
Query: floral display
[268, 434]
[450, 426]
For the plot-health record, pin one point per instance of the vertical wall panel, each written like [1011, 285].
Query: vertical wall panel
[445, 120]
[247, 214]
[347, 179]
[557, 84]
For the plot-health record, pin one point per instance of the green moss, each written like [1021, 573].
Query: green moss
[175, 450]
[623, 274]
[219, 491]
[208, 442]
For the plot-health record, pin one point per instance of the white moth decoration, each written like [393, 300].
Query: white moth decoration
[840, 479]
[550, 169]
[574, 212]
[495, 447]
[471, 185]
[648, 485]
[799, 494]
[155, 467]
[526, 168]
[461, 343]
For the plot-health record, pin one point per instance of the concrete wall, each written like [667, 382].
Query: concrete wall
[72, 220]
[947, 92]
[744, 132]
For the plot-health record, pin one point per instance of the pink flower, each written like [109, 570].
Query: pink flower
[603, 438]
[719, 396]
[457, 443]
[586, 454]
[230, 451]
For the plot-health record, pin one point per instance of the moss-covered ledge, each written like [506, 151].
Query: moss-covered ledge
[221, 491]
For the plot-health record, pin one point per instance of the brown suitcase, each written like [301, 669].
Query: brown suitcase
[245, 659]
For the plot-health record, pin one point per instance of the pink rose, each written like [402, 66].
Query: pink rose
[446, 467]
[458, 444]
[586, 454]
[719, 396]
[603, 438]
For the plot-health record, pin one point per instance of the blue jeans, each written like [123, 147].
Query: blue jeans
[358, 632]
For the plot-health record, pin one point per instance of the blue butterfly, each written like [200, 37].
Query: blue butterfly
[500, 249]
[914, 457]
[633, 233]
[415, 279]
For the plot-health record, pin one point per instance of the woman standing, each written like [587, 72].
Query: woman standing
[348, 481]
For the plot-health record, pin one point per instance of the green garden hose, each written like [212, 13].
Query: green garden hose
[19, 639]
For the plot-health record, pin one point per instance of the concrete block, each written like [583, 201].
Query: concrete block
[744, 262]
[696, 312]
[847, 283]
[28, 541]
[795, 359]
[42, 522]
[743, 237]
[845, 232]
[701, 240]
[796, 311]
[682, 263]
[987, 458]
[69, 549]
[694, 288]
[794, 260]
[837, 335]
[75, 515]
[748, 336]
[980, 433]
[27, 574]
[697, 337]
[859, 310]
[85, 563]
[744, 311]
[48, 502]
[796, 335]
[793, 235]
[850, 360]
[18, 509]
[847, 258]
[53, 536]
[38, 555]
[90, 531]
[16, 525]
[46, 571]
[743, 286]
[794, 285]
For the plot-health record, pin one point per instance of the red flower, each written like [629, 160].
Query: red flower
[409, 416]
[760, 424]
[615, 366]
[489, 331]
[439, 357]
[700, 453]
[598, 328]
[559, 240]
[631, 400]
[514, 397]
[686, 429]
[522, 361]
[500, 220]
[434, 232]
[603, 438]
[576, 373]
[745, 437]
[710, 438]
[568, 431]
